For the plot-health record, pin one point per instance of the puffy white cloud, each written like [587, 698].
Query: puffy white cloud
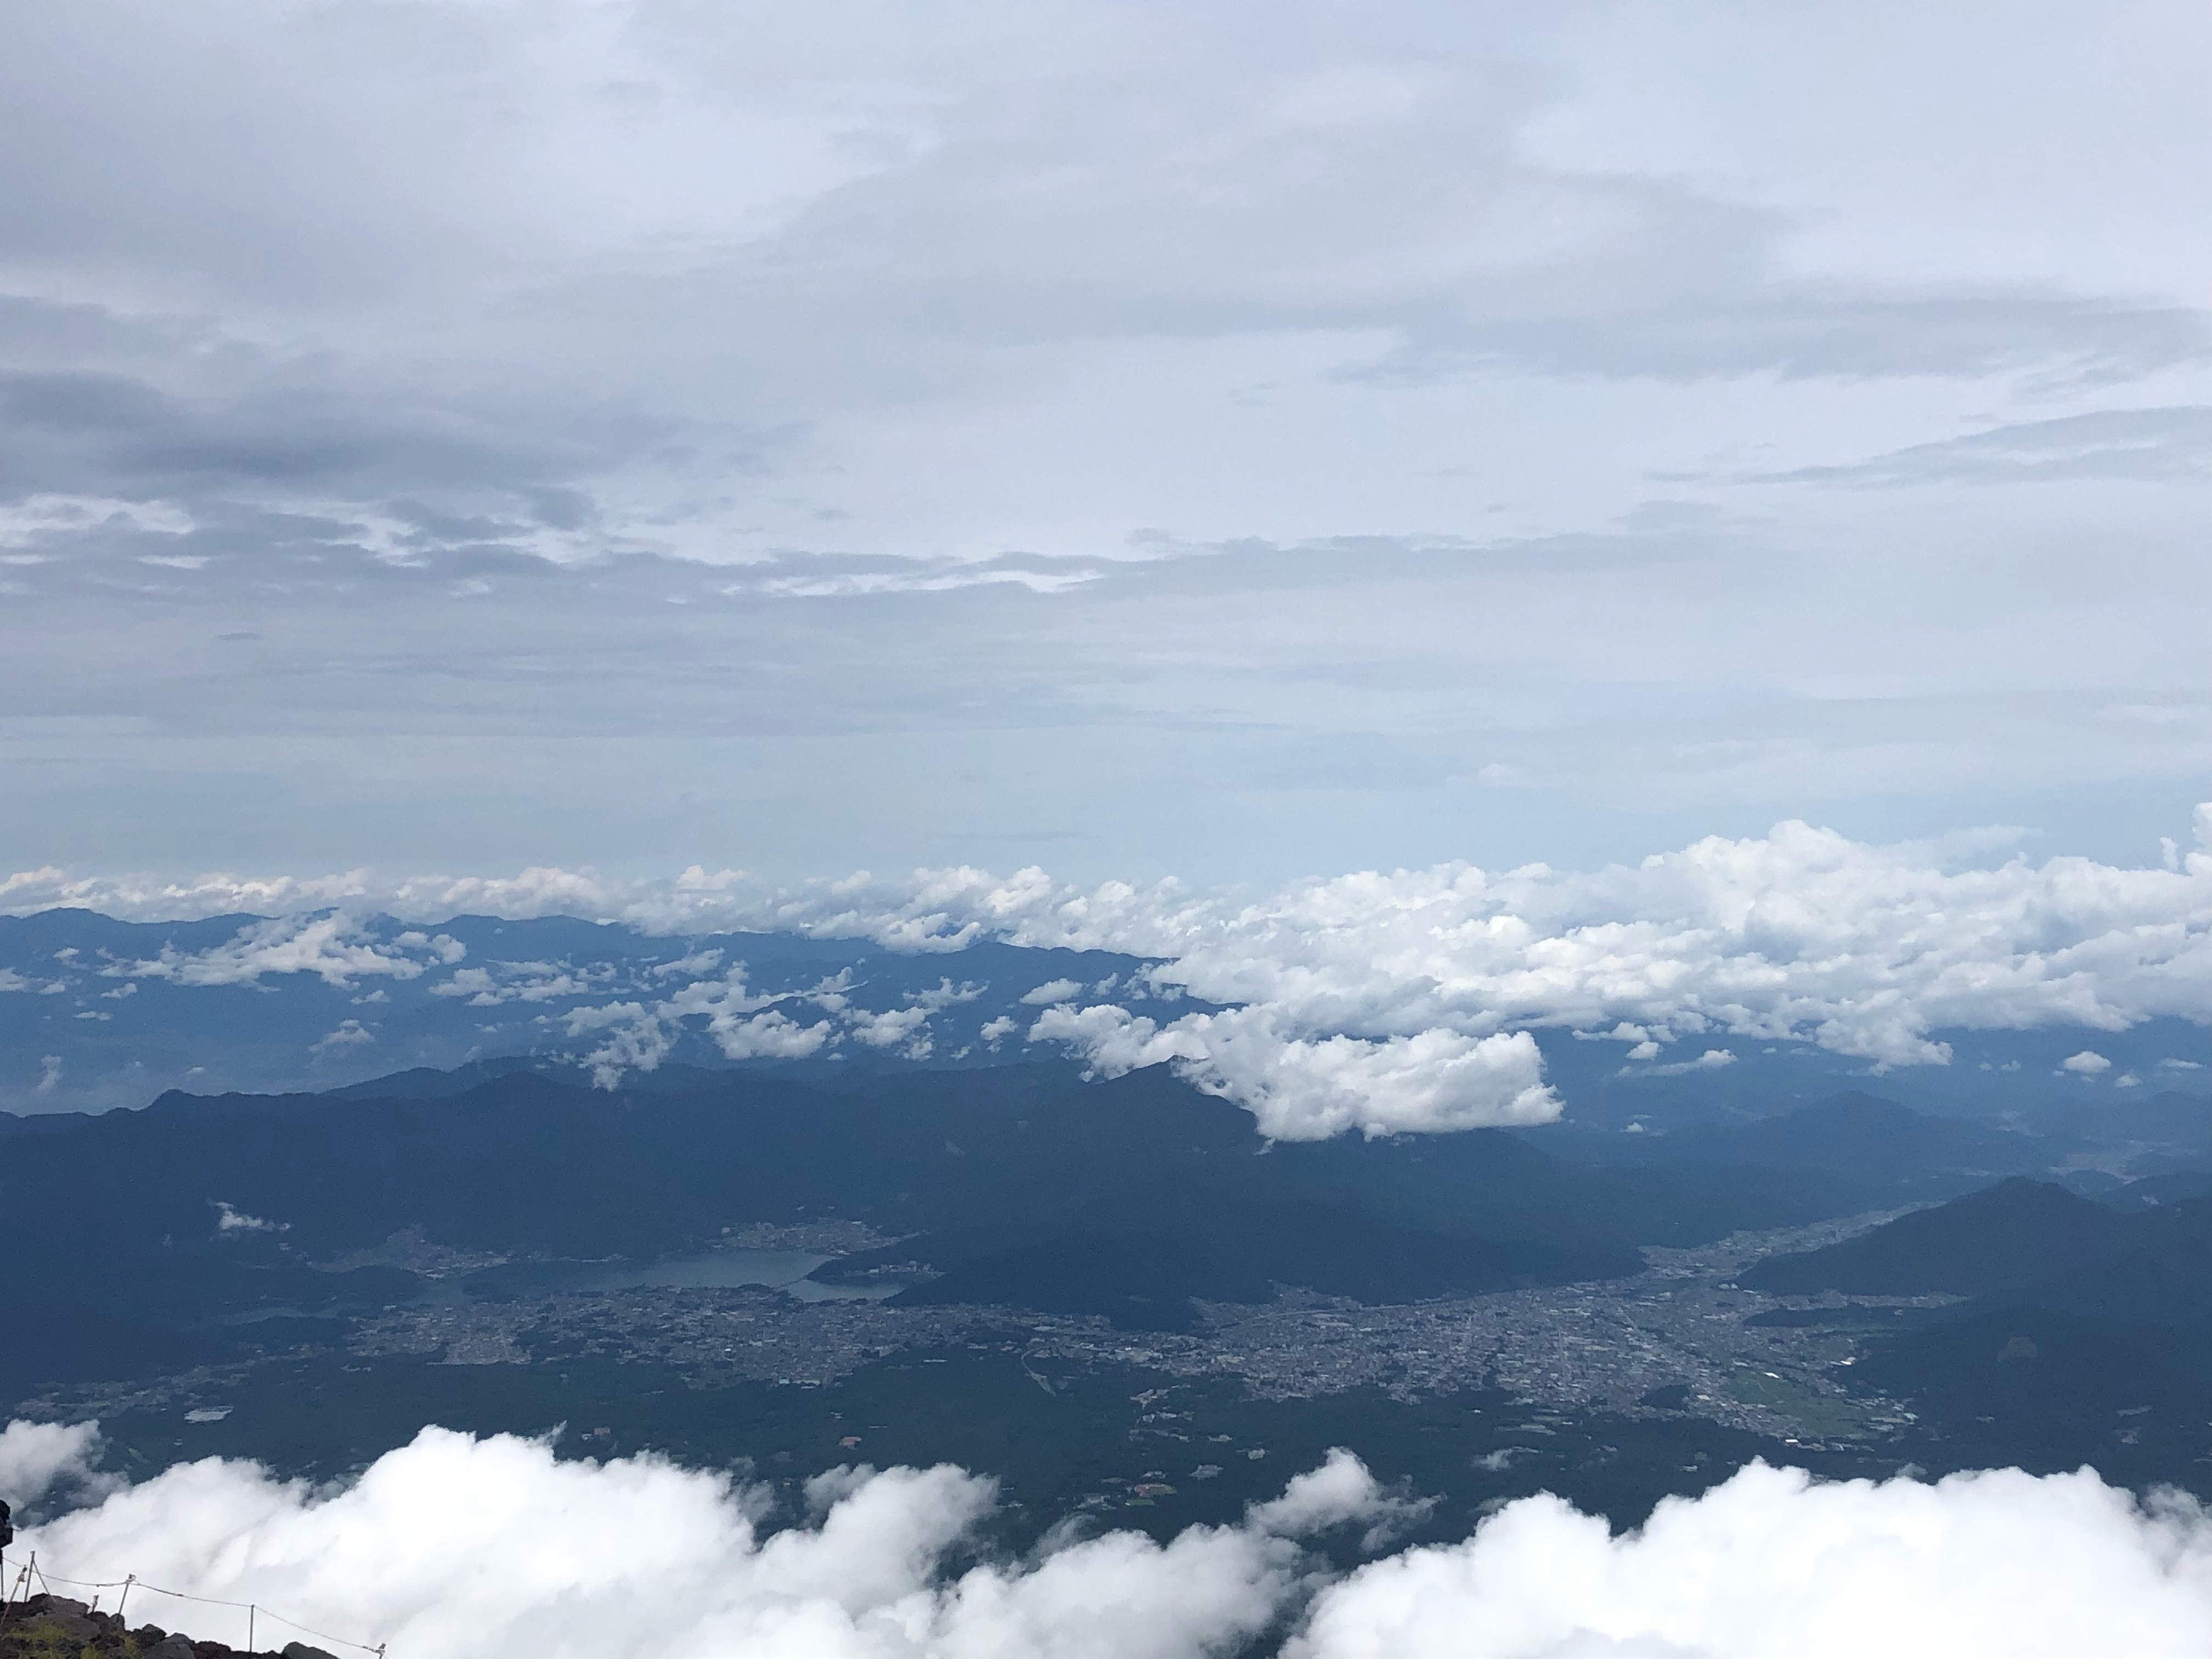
[2087, 1063]
[1340, 1491]
[904, 1028]
[1386, 1002]
[1990, 1563]
[35, 1458]
[1309, 1089]
[637, 1039]
[946, 994]
[332, 946]
[457, 1546]
[771, 1035]
[742, 1025]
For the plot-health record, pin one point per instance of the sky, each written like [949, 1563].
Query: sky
[1235, 443]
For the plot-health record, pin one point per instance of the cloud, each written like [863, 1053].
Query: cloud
[620, 277]
[332, 946]
[1771, 1562]
[1309, 1089]
[1338, 1492]
[452, 1546]
[1711, 1060]
[1813, 332]
[720, 382]
[1382, 1002]
[946, 994]
[38, 1458]
[1312, 690]
[828, 576]
[2087, 1063]
[347, 1034]
[742, 1025]
[904, 1028]
[231, 1219]
[1051, 990]
[2140, 446]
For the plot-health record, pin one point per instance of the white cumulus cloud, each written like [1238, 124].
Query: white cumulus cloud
[332, 946]
[1385, 1002]
[1309, 1089]
[1772, 1562]
[35, 1458]
[453, 1546]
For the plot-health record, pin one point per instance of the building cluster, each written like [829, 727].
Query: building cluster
[1677, 1330]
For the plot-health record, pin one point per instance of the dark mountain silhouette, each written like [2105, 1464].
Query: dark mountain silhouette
[1145, 1272]
[2001, 1237]
[2051, 1378]
[2163, 1277]
[2164, 1118]
[1863, 1136]
[2088, 1334]
[2111, 1357]
[2153, 1191]
[1004, 1179]
[1887, 1152]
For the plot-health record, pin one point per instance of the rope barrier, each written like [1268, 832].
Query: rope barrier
[132, 1582]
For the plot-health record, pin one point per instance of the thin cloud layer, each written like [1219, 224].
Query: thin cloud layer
[458, 435]
[1384, 1003]
[453, 1546]
[2146, 446]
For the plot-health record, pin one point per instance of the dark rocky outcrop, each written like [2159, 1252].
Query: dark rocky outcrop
[56, 1627]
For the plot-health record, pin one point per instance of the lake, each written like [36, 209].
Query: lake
[782, 1270]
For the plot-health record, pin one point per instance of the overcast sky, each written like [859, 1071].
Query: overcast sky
[1230, 440]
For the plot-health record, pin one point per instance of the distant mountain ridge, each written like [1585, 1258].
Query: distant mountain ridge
[123, 1011]
[2086, 1322]
[1889, 1153]
[1014, 1182]
[2005, 1235]
[100, 1012]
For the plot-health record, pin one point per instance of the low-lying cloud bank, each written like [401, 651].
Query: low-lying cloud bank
[1383, 1002]
[452, 1547]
